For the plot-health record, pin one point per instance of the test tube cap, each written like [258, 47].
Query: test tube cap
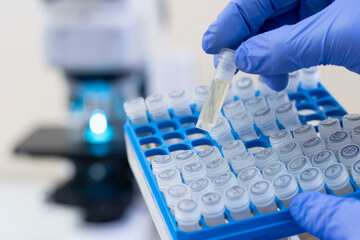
[187, 211]
[211, 203]
[236, 197]
[311, 179]
[162, 162]
[336, 176]
[261, 193]
[323, 159]
[349, 154]
[175, 193]
[224, 181]
[285, 186]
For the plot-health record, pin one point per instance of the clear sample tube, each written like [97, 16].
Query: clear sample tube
[136, 110]
[176, 193]
[323, 159]
[233, 148]
[328, 127]
[162, 162]
[265, 157]
[244, 88]
[262, 195]
[310, 77]
[355, 172]
[348, 155]
[243, 125]
[350, 121]
[199, 95]
[233, 108]
[180, 103]
[288, 116]
[255, 104]
[297, 165]
[273, 170]
[187, 215]
[157, 106]
[212, 208]
[285, 187]
[264, 89]
[224, 181]
[304, 133]
[356, 135]
[209, 154]
[313, 146]
[248, 176]
[312, 179]
[242, 161]
[337, 179]
[237, 202]
[224, 73]
[167, 178]
[338, 140]
[293, 84]
[217, 167]
[200, 186]
[280, 138]
[266, 121]
[289, 152]
[221, 132]
[277, 99]
[193, 171]
[184, 158]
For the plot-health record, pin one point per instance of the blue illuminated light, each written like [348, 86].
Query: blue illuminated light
[98, 130]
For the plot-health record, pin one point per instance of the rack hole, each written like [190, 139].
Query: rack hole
[188, 121]
[173, 137]
[202, 144]
[177, 148]
[326, 105]
[195, 133]
[314, 119]
[152, 153]
[318, 94]
[144, 131]
[338, 113]
[167, 126]
[298, 98]
[151, 142]
[255, 146]
[306, 109]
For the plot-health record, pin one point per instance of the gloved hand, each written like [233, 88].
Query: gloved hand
[320, 32]
[327, 217]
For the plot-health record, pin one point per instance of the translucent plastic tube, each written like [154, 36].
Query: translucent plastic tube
[224, 181]
[237, 202]
[243, 125]
[233, 108]
[136, 110]
[265, 157]
[356, 135]
[304, 133]
[176, 193]
[242, 161]
[212, 208]
[350, 121]
[323, 159]
[199, 95]
[209, 154]
[312, 179]
[180, 103]
[313, 146]
[348, 155]
[273, 170]
[217, 167]
[262, 195]
[157, 106]
[193, 171]
[162, 162]
[233, 148]
[338, 140]
[264, 89]
[288, 116]
[200, 186]
[328, 127]
[297, 165]
[355, 171]
[289, 152]
[280, 138]
[229, 96]
[293, 84]
[248, 176]
[285, 187]
[277, 99]
[184, 158]
[255, 104]
[310, 77]
[167, 178]
[244, 88]
[187, 215]
[337, 179]
[266, 121]
[221, 132]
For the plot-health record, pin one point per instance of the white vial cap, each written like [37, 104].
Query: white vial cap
[221, 132]
[337, 140]
[187, 214]
[136, 110]
[209, 154]
[224, 181]
[349, 154]
[280, 138]
[313, 146]
[288, 116]
[162, 162]
[242, 161]
[167, 178]
[311, 179]
[285, 186]
[199, 95]
[355, 172]
[304, 133]
[233, 148]
[193, 171]
[184, 158]
[226, 67]
[254, 104]
[248, 176]
[180, 103]
[264, 89]
[176, 193]
[236, 198]
[356, 135]
[310, 77]
[293, 84]
[277, 99]
[265, 120]
[229, 97]
[157, 106]
[289, 152]
[265, 157]
[297, 165]
[243, 125]
[261, 193]
[200, 186]
[273, 170]
[350, 121]
[336, 176]
[328, 127]
[217, 167]
[212, 203]
[244, 88]
[233, 108]
[323, 159]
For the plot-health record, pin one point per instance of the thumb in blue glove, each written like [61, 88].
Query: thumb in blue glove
[327, 217]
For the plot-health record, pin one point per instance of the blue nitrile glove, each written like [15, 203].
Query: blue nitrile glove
[327, 217]
[320, 32]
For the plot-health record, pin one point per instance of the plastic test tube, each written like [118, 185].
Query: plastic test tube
[237, 202]
[262, 195]
[162, 162]
[254, 104]
[323, 159]
[136, 110]
[273, 170]
[176, 193]
[221, 132]
[355, 172]
[348, 155]
[212, 208]
[266, 121]
[288, 116]
[277, 99]
[167, 178]
[328, 127]
[289, 152]
[199, 95]
[215, 99]
[285, 187]
[233, 108]
[248, 176]
[209, 154]
[356, 135]
[242, 161]
[337, 140]
[243, 125]
[233, 148]
[297, 165]
[200, 186]
[293, 84]
[217, 167]
[310, 77]
[180, 103]
[224, 181]
[312, 179]
[265, 157]
[184, 158]
[313, 146]
[264, 89]
[193, 171]
[280, 138]
[229, 96]
[337, 179]
[244, 88]
[157, 106]
[350, 121]
[187, 215]
[304, 133]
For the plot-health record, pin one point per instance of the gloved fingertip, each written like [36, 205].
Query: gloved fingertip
[208, 43]
[276, 82]
[241, 58]
[215, 60]
[298, 203]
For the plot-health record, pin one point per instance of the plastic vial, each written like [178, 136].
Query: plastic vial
[162, 162]
[355, 172]
[200, 186]
[255, 104]
[285, 187]
[280, 138]
[266, 121]
[209, 154]
[350, 121]
[167, 178]
[224, 73]
[237, 202]
[277, 99]
[221, 132]
[199, 96]
[233, 148]
[289, 152]
[224, 181]
[248, 176]
[304, 133]
[229, 97]
[136, 110]
[187, 215]
[265, 157]
[337, 179]
[264, 89]
[244, 88]
[157, 106]
[273, 170]
[180, 103]
[298, 165]
[310, 77]
[176, 193]
[233, 108]
[348, 155]
[184, 158]
[193, 171]
[356, 135]
[293, 84]
[242, 161]
[323, 159]
[337, 140]
[328, 127]
[243, 125]
[262, 195]
[288, 116]
[313, 146]
[217, 167]
[312, 179]
[212, 208]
